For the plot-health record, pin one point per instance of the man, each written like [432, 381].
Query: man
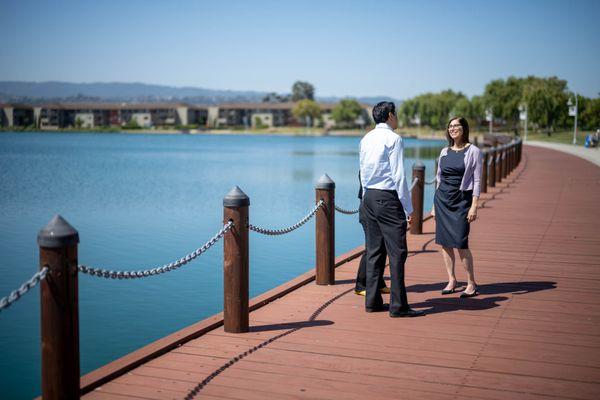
[361, 275]
[387, 204]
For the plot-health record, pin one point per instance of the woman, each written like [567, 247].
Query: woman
[455, 202]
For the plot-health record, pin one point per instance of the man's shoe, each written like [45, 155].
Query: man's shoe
[406, 313]
[383, 307]
[383, 290]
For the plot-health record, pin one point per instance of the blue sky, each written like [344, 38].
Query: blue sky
[345, 48]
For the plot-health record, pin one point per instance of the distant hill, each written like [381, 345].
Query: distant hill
[38, 92]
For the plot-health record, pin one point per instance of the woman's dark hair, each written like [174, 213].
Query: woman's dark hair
[382, 110]
[465, 130]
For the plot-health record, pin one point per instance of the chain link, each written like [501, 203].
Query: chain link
[431, 182]
[414, 183]
[347, 212]
[283, 231]
[104, 273]
[16, 294]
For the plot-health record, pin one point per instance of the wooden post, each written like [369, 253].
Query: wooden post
[236, 262]
[509, 159]
[492, 168]
[417, 194]
[484, 172]
[59, 310]
[325, 231]
[504, 161]
[499, 163]
[513, 158]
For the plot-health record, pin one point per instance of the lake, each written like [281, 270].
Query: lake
[140, 201]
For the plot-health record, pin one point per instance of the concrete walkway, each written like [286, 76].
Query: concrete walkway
[591, 155]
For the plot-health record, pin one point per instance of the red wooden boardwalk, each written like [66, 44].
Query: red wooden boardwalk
[534, 333]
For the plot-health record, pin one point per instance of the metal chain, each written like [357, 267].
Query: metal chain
[283, 231]
[431, 182]
[16, 294]
[414, 183]
[347, 212]
[104, 273]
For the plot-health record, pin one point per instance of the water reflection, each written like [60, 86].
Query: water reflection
[424, 153]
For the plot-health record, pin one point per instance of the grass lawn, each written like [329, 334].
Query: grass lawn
[559, 137]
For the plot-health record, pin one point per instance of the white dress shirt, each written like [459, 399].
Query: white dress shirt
[382, 163]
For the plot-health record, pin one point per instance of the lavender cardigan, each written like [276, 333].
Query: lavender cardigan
[472, 177]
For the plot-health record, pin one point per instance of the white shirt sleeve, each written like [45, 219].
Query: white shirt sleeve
[397, 167]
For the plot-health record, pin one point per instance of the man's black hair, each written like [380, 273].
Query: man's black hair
[382, 110]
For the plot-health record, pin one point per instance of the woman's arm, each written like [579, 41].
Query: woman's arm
[472, 214]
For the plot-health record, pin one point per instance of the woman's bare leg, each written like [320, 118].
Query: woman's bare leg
[467, 260]
[449, 261]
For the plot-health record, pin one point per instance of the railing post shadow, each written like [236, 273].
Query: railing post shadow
[325, 231]
[484, 172]
[236, 262]
[57, 243]
[417, 195]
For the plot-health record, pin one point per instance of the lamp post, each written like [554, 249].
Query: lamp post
[523, 117]
[489, 116]
[417, 120]
[573, 113]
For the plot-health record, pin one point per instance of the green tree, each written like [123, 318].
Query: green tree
[273, 97]
[78, 122]
[258, 123]
[346, 112]
[546, 101]
[307, 108]
[302, 90]
[504, 98]
[589, 113]
[132, 124]
[433, 109]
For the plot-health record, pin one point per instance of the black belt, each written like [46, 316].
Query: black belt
[385, 191]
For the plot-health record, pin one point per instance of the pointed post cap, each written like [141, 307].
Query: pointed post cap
[57, 233]
[236, 198]
[419, 165]
[325, 182]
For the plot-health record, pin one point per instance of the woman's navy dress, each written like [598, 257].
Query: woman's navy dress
[452, 204]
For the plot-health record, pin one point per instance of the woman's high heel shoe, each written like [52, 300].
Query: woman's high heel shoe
[449, 291]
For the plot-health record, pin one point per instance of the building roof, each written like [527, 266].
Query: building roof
[107, 106]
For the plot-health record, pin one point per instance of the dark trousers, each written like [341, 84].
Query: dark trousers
[386, 230]
[361, 275]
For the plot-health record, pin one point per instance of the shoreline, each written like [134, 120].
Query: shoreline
[273, 132]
